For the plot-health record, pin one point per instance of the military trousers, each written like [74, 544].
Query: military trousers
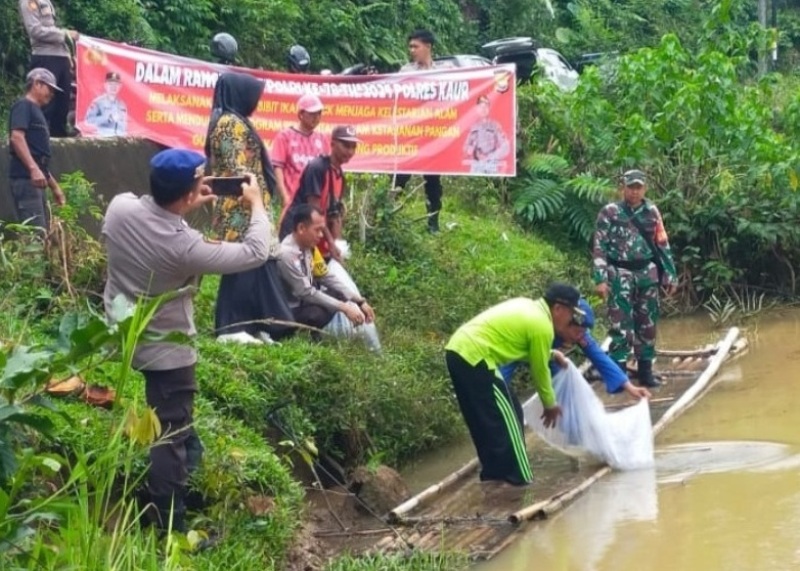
[633, 311]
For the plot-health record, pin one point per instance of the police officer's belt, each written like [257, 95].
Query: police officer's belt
[633, 265]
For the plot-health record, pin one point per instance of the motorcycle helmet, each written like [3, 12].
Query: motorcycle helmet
[298, 59]
[224, 47]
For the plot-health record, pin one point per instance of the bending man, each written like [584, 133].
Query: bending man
[578, 335]
[514, 330]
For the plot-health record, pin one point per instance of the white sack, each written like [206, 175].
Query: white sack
[623, 439]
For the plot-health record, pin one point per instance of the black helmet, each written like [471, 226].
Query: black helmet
[298, 58]
[224, 47]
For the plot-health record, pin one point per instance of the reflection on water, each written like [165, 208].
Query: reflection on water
[629, 496]
[725, 494]
[680, 462]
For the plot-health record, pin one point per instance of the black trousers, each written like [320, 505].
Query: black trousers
[57, 110]
[178, 453]
[433, 195]
[313, 315]
[494, 418]
[252, 296]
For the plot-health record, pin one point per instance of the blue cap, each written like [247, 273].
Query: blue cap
[588, 318]
[177, 168]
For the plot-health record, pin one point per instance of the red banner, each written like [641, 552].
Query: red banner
[458, 121]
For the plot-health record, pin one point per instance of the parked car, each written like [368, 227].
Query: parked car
[530, 57]
[526, 55]
[462, 61]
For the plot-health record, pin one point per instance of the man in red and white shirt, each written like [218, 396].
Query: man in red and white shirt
[323, 185]
[294, 147]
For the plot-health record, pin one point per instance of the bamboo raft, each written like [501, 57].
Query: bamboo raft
[461, 514]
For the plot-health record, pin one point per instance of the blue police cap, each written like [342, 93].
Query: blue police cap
[177, 168]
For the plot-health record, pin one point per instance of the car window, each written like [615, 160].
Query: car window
[552, 59]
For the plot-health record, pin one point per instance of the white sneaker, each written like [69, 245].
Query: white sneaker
[266, 339]
[240, 337]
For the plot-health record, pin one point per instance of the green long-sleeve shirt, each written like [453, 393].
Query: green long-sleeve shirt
[514, 330]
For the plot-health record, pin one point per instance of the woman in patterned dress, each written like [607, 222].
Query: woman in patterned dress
[233, 148]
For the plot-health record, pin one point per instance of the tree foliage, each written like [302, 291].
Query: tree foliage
[725, 177]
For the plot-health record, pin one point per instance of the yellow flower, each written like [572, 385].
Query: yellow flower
[231, 235]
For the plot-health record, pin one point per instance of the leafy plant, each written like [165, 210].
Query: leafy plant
[548, 194]
[723, 176]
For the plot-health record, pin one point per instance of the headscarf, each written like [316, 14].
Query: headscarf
[239, 94]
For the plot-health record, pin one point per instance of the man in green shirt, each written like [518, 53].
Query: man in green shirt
[514, 330]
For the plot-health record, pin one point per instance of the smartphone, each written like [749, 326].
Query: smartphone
[227, 185]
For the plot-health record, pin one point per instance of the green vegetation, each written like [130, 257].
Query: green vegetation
[682, 103]
[72, 471]
[720, 146]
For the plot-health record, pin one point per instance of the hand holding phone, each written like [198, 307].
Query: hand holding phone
[227, 185]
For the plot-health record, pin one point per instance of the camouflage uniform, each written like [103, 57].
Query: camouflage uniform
[624, 260]
[486, 146]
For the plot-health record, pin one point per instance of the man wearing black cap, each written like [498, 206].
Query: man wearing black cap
[29, 148]
[108, 114]
[153, 252]
[519, 329]
[632, 260]
[579, 337]
[323, 185]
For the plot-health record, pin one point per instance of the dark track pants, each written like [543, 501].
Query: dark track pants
[494, 418]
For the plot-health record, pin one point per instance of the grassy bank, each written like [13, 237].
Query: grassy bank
[358, 407]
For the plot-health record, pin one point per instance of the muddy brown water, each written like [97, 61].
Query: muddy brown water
[725, 493]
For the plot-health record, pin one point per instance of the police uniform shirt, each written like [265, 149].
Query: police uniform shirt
[486, 138]
[300, 280]
[152, 251]
[39, 18]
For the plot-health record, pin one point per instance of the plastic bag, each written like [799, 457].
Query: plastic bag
[341, 326]
[338, 270]
[623, 439]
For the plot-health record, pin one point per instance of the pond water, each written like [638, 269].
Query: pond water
[725, 493]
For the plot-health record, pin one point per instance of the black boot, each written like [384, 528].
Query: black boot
[171, 513]
[646, 378]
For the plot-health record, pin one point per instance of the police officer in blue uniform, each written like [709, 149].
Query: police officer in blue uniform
[108, 113]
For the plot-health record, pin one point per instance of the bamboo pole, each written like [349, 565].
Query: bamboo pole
[546, 507]
[397, 513]
[688, 398]
[705, 351]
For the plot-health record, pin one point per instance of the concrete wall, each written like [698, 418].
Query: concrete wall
[113, 165]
